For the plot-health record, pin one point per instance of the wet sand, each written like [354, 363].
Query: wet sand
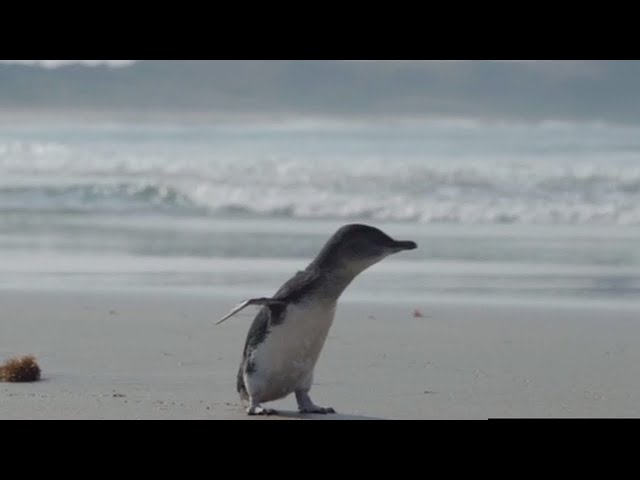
[158, 355]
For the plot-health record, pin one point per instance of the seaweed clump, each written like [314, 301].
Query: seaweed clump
[20, 370]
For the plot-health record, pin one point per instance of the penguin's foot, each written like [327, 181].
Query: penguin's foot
[316, 409]
[305, 405]
[259, 410]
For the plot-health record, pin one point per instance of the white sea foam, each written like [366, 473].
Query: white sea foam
[429, 173]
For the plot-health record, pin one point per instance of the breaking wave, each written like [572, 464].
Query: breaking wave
[427, 197]
[447, 173]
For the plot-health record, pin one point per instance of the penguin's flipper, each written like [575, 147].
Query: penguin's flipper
[254, 301]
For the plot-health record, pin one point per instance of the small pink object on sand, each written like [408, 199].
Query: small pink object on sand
[417, 314]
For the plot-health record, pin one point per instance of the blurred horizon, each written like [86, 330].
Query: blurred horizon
[485, 91]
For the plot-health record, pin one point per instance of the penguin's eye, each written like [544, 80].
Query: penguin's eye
[356, 247]
[362, 248]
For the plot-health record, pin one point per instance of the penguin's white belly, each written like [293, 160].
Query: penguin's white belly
[285, 360]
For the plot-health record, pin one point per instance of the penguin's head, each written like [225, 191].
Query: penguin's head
[357, 247]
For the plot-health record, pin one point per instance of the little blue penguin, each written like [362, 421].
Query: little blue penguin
[288, 333]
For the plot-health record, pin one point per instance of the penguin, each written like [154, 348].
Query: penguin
[287, 335]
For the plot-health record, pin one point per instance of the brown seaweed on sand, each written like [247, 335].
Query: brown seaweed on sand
[20, 370]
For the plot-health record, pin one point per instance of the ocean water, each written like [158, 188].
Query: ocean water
[546, 212]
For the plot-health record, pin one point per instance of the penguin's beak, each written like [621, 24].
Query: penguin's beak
[401, 245]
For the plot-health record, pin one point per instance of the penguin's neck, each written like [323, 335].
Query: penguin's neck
[336, 273]
[335, 281]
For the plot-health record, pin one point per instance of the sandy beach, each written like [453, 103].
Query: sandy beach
[158, 355]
